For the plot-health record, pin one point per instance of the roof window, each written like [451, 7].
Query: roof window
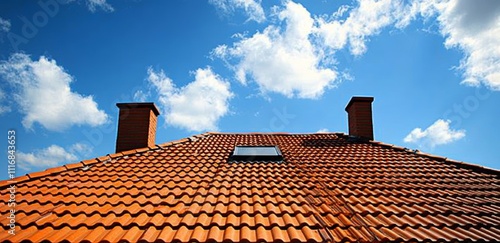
[256, 153]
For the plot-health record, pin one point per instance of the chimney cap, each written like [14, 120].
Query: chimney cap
[150, 105]
[358, 99]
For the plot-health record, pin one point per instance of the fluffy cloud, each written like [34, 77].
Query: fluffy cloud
[4, 25]
[323, 130]
[195, 107]
[93, 5]
[42, 91]
[49, 157]
[438, 133]
[252, 8]
[365, 20]
[474, 27]
[471, 26]
[282, 59]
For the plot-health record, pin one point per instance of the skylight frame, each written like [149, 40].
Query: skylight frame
[239, 154]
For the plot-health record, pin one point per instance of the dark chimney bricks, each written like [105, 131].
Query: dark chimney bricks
[136, 126]
[359, 112]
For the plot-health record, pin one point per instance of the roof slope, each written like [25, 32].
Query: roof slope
[331, 188]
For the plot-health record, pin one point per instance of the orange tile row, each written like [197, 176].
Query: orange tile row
[423, 198]
[183, 177]
[245, 234]
[437, 234]
[188, 167]
[176, 220]
[244, 187]
[169, 200]
[424, 209]
[180, 208]
[121, 215]
[397, 187]
[167, 234]
[168, 196]
[403, 189]
[439, 220]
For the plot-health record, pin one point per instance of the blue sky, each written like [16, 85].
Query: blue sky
[249, 66]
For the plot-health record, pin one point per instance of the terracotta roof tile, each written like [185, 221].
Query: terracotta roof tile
[74, 166]
[150, 235]
[330, 188]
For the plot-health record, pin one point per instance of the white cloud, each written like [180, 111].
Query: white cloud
[49, 157]
[93, 5]
[365, 20]
[298, 59]
[474, 27]
[4, 25]
[282, 60]
[42, 91]
[438, 133]
[252, 8]
[323, 130]
[81, 148]
[197, 106]
[471, 26]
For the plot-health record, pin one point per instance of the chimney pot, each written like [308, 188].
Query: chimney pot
[136, 125]
[359, 112]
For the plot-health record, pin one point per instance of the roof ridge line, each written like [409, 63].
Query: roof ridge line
[446, 160]
[187, 139]
[51, 171]
[275, 133]
[68, 167]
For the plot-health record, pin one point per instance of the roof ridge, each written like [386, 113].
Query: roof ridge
[276, 133]
[188, 139]
[62, 168]
[445, 160]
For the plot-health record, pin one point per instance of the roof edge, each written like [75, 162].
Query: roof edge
[460, 164]
[85, 163]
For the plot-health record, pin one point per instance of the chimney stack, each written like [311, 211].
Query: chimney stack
[136, 126]
[359, 112]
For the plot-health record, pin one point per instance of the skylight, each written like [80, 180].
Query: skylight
[256, 153]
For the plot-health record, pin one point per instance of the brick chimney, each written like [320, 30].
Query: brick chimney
[359, 112]
[136, 126]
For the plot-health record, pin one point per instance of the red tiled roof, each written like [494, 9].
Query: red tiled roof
[331, 188]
